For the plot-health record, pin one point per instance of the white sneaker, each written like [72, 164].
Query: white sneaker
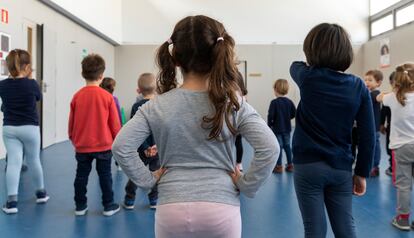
[42, 200]
[114, 208]
[81, 212]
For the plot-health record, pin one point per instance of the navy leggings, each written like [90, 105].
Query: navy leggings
[319, 186]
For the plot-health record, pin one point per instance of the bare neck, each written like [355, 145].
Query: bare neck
[195, 82]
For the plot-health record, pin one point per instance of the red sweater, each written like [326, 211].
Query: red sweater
[93, 120]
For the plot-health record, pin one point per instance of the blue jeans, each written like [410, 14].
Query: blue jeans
[319, 186]
[284, 142]
[103, 167]
[377, 156]
[20, 140]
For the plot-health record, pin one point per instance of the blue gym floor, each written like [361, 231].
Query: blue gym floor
[273, 213]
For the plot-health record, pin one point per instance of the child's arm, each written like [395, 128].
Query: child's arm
[124, 149]
[266, 150]
[366, 132]
[271, 115]
[293, 111]
[71, 119]
[113, 120]
[298, 71]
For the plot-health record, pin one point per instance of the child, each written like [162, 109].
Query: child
[239, 141]
[386, 128]
[93, 124]
[147, 151]
[281, 112]
[331, 101]
[21, 134]
[195, 127]
[401, 102]
[109, 85]
[373, 80]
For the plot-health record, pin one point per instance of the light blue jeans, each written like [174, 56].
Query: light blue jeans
[19, 140]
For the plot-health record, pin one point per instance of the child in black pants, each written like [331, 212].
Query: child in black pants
[148, 150]
[386, 128]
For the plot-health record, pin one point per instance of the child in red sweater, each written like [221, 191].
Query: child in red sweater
[93, 125]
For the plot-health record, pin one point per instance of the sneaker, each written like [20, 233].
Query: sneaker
[240, 166]
[153, 203]
[128, 203]
[41, 197]
[81, 210]
[10, 207]
[401, 223]
[289, 168]
[111, 210]
[388, 171]
[374, 172]
[278, 169]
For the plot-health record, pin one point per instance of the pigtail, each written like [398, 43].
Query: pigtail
[404, 82]
[166, 78]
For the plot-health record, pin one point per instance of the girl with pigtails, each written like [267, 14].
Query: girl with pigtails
[195, 128]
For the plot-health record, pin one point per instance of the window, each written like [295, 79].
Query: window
[405, 15]
[378, 5]
[382, 25]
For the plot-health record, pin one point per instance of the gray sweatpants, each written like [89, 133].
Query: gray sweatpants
[404, 157]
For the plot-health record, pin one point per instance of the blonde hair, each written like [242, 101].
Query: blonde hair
[147, 84]
[281, 86]
[404, 81]
[17, 60]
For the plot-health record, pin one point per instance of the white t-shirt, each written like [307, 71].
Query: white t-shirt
[402, 120]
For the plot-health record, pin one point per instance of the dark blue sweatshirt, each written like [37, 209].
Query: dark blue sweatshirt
[150, 140]
[19, 97]
[281, 111]
[330, 102]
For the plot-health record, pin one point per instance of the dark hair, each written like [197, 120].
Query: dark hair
[281, 86]
[404, 81]
[328, 46]
[93, 67]
[376, 74]
[108, 84]
[202, 46]
[146, 83]
[392, 78]
[241, 84]
[17, 60]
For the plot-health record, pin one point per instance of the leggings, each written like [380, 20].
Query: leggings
[239, 149]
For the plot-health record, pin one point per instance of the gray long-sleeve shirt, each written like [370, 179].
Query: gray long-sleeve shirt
[197, 168]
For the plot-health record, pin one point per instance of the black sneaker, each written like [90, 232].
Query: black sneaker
[129, 203]
[401, 223]
[111, 210]
[10, 207]
[81, 210]
[41, 197]
[153, 203]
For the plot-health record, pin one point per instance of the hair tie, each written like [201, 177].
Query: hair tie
[220, 39]
[169, 41]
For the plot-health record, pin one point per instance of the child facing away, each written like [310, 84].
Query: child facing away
[331, 101]
[373, 79]
[93, 125]
[148, 150]
[281, 112]
[195, 127]
[21, 134]
[386, 129]
[401, 102]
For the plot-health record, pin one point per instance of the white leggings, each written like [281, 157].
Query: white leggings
[198, 220]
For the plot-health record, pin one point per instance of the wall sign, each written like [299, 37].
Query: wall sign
[4, 16]
[385, 56]
[4, 51]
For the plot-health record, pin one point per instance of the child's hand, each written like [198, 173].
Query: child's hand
[154, 150]
[383, 129]
[159, 173]
[235, 176]
[360, 185]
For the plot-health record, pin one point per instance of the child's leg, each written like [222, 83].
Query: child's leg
[287, 147]
[103, 167]
[404, 157]
[387, 144]
[309, 187]
[377, 156]
[280, 140]
[239, 149]
[338, 201]
[130, 190]
[31, 142]
[83, 169]
[14, 149]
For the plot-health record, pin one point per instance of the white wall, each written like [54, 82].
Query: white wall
[64, 42]
[104, 15]
[250, 22]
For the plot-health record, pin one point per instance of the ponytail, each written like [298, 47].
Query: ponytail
[223, 87]
[16, 61]
[167, 75]
[404, 82]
